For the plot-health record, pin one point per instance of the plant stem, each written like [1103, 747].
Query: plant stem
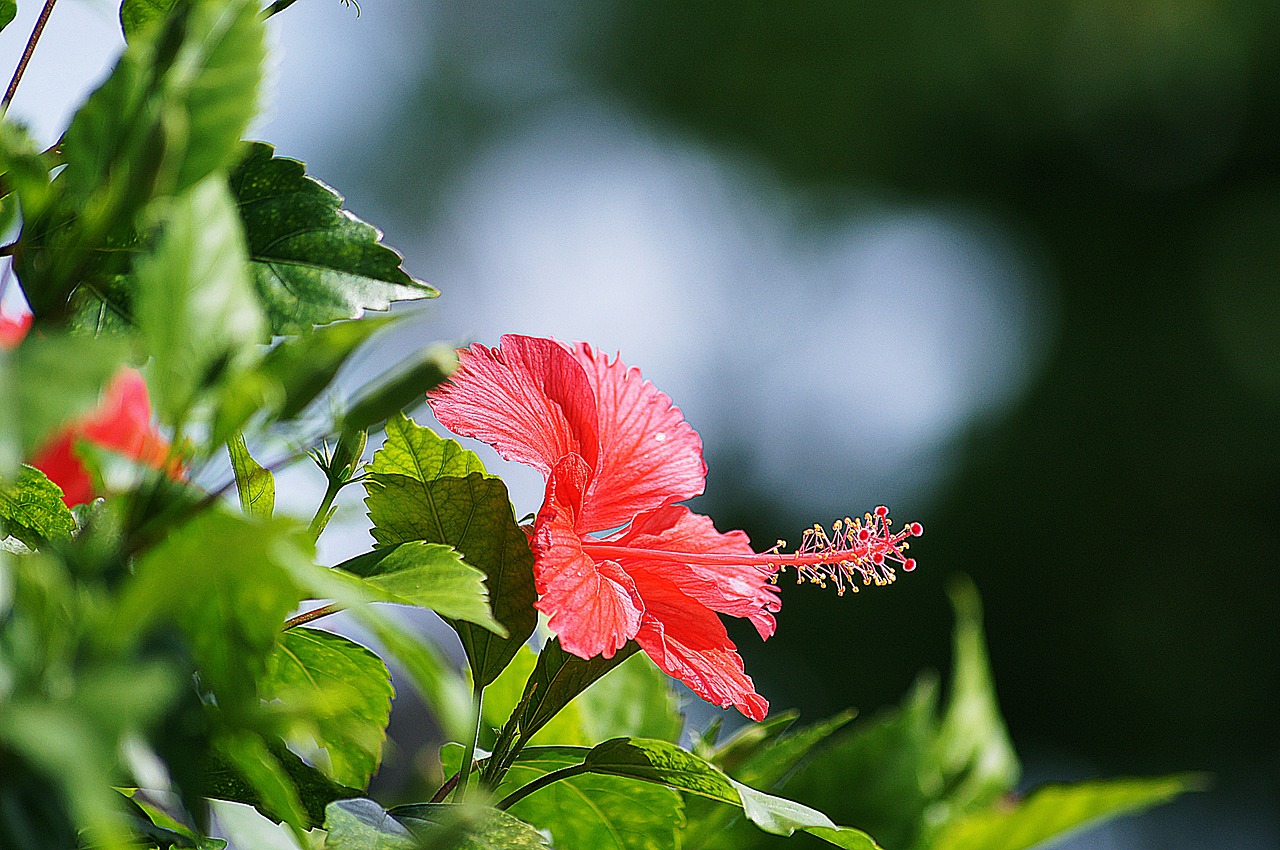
[312, 615]
[540, 783]
[469, 756]
[321, 519]
[26, 54]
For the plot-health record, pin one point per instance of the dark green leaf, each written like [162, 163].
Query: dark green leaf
[31, 509]
[314, 262]
[8, 11]
[767, 766]
[635, 700]
[314, 790]
[194, 305]
[255, 485]
[171, 113]
[337, 691]
[1054, 811]
[406, 386]
[135, 15]
[474, 516]
[422, 454]
[428, 575]
[303, 366]
[599, 812]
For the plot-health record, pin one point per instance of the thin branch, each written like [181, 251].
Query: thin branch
[8, 250]
[26, 54]
[540, 783]
[312, 615]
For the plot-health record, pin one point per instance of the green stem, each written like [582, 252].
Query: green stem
[323, 513]
[469, 756]
[540, 783]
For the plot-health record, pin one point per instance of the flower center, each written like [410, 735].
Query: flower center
[856, 551]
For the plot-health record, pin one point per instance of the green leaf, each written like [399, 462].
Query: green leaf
[135, 15]
[223, 780]
[422, 454]
[403, 387]
[1054, 811]
[428, 575]
[255, 485]
[635, 700]
[31, 509]
[8, 11]
[599, 812]
[474, 516]
[194, 305]
[170, 114]
[364, 825]
[974, 750]
[314, 262]
[468, 827]
[337, 691]
[276, 793]
[435, 679]
[227, 582]
[667, 764]
[57, 378]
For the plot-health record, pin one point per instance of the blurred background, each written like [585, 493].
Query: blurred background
[1012, 269]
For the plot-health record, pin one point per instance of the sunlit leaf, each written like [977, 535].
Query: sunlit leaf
[422, 454]
[193, 303]
[428, 575]
[255, 485]
[337, 690]
[474, 516]
[313, 262]
[32, 510]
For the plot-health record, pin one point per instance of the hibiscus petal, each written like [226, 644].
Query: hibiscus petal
[58, 461]
[737, 590]
[593, 605]
[13, 329]
[528, 398]
[122, 422]
[649, 455]
[687, 641]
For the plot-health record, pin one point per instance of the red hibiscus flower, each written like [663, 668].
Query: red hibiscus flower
[121, 423]
[617, 456]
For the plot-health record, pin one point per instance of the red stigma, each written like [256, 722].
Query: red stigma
[916, 530]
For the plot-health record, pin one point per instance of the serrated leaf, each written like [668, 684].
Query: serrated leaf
[362, 824]
[474, 516]
[1055, 811]
[256, 486]
[194, 305]
[136, 15]
[32, 510]
[422, 454]
[600, 812]
[314, 262]
[428, 575]
[170, 114]
[337, 690]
